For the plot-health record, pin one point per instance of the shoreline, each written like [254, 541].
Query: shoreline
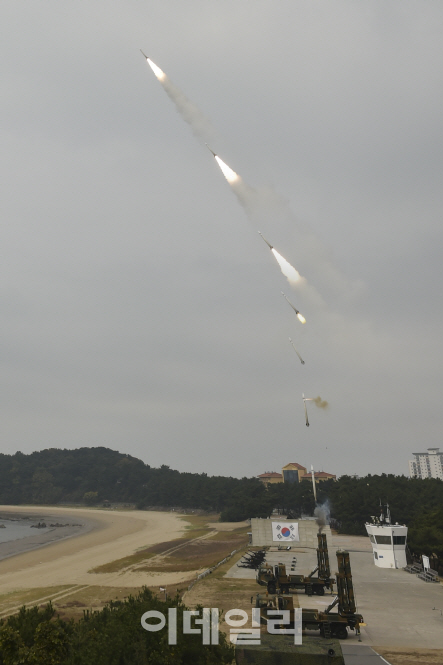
[70, 559]
[11, 548]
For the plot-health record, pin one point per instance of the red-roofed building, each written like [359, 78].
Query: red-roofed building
[320, 476]
[270, 477]
[293, 472]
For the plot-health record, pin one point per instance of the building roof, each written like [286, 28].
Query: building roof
[270, 474]
[295, 465]
[428, 453]
[319, 474]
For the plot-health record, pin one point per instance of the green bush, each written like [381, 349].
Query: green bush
[90, 498]
[112, 636]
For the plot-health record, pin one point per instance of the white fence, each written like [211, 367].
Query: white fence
[210, 570]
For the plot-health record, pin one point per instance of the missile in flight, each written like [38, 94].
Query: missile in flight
[268, 243]
[301, 359]
[214, 154]
[144, 54]
[313, 483]
[299, 316]
[306, 399]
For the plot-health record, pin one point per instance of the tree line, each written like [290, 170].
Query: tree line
[95, 475]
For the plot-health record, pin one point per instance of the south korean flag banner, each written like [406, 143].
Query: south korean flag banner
[284, 532]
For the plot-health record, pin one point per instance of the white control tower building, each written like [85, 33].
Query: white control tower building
[388, 541]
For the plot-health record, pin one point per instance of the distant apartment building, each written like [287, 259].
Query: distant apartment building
[427, 465]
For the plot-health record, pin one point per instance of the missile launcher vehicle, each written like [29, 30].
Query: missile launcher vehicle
[276, 579]
[330, 624]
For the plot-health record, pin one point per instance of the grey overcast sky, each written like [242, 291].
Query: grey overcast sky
[141, 310]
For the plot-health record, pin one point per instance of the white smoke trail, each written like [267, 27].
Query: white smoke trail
[246, 196]
[200, 125]
[264, 203]
[202, 129]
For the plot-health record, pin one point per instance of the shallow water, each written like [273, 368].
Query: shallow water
[19, 528]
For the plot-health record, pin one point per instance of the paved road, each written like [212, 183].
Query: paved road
[361, 655]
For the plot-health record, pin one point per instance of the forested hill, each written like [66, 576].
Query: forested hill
[54, 475]
[94, 475]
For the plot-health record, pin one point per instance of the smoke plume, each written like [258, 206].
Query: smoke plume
[321, 403]
[322, 514]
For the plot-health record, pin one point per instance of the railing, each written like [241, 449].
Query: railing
[428, 575]
[210, 570]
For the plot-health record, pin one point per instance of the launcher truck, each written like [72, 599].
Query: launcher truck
[275, 578]
[330, 624]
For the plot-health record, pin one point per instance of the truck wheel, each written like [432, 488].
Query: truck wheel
[320, 591]
[341, 632]
[271, 587]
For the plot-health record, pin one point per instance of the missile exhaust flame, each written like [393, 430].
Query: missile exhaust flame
[301, 359]
[291, 274]
[230, 175]
[289, 271]
[200, 125]
[299, 316]
[157, 71]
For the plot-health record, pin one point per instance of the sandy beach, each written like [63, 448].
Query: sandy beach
[103, 537]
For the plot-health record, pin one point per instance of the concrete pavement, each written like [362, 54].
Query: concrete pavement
[397, 607]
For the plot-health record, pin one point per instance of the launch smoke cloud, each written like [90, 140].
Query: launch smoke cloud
[322, 514]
